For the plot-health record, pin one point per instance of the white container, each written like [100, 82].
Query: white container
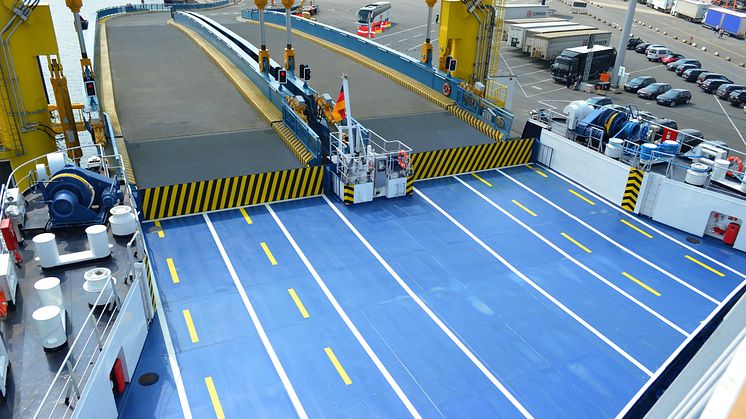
[46, 250]
[50, 293]
[96, 280]
[123, 221]
[56, 162]
[98, 239]
[51, 327]
[719, 168]
[697, 175]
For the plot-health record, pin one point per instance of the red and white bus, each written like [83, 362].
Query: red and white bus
[374, 18]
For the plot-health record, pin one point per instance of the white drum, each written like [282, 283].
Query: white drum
[46, 250]
[98, 240]
[96, 280]
[51, 327]
[50, 292]
[123, 221]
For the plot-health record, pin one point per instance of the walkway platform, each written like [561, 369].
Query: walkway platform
[182, 119]
[501, 294]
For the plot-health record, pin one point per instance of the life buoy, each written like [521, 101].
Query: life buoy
[403, 159]
[447, 89]
[738, 162]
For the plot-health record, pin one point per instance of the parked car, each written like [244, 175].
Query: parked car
[690, 138]
[632, 43]
[707, 76]
[709, 86]
[674, 65]
[640, 48]
[691, 74]
[670, 58]
[656, 53]
[638, 83]
[682, 68]
[726, 89]
[652, 91]
[674, 97]
[737, 98]
[599, 101]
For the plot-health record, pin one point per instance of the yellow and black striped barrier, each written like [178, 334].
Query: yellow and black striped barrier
[150, 282]
[217, 194]
[475, 122]
[349, 194]
[451, 161]
[632, 190]
[292, 142]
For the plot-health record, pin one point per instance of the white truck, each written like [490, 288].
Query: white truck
[662, 5]
[690, 10]
[508, 23]
[517, 33]
[525, 11]
[549, 46]
[528, 43]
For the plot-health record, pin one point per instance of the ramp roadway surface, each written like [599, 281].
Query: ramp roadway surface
[182, 119]
[378, 103]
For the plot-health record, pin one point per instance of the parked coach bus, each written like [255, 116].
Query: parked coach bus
[374, 18]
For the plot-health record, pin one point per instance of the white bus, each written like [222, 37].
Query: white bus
[374, 18]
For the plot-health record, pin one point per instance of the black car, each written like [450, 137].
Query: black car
[692, 74]
[638, 83]
[737, 98]
[674, 97]
[690, 138]
[726, 89]
[652, 91]
[709, 86]
[640, 48]
[682, 68]
[684, 61]
[707, 76]
[632, 43]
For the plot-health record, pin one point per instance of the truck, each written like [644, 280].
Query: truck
[662, 5]
[528, 43]
[507, 24]
[524, 11]
[690, 10]
[549, 46]
[517, 33]
[732, 22]
[570, 65]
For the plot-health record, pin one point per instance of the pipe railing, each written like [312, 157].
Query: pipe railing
[158, 7]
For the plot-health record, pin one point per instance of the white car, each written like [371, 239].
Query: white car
[651, 46]
[656, 53]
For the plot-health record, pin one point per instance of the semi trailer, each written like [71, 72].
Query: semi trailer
[549, 46]
[690, 10]
[732, 22]
[528, 43]
[517, 33]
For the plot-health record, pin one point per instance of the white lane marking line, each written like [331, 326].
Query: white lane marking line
[678, 350]
[415, 47]
[535, 286]
[575, 261]
[400, 32]
[537, 88]
[728, 116]
[527, 64]
[430, 313]
[645, 69]
[537, 82]
[612, 241]
[172, 361]
[511, 72]
[257, 324]
[340, 311]
[548, 91]
[649, 226]
[402, 40]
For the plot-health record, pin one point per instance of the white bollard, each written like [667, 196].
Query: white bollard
[46, 250]
[50, 293]
[98, 240]
[51, 327]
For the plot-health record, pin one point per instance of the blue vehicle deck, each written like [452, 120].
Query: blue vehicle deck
[505, 293]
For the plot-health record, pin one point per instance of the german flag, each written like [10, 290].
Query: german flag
[340, 108]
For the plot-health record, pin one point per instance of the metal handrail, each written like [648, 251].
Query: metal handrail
[157, 7]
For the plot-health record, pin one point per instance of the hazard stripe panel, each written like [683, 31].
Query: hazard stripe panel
[475, 122]
[349, 194]
[632, 190]
[217, 194]
[298, 149]
[151, 288]
[451, 161]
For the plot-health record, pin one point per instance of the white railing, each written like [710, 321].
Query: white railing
[355, 170]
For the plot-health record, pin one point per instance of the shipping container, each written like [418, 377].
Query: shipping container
[549, 46]
[507, 24]
[734, 23]
[523, 11]
[531, 33]
[690, 10]
[517, 33]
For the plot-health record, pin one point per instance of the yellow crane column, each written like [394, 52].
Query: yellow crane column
[289, 52]
[64, 107]
[427, 48]
[263, 51]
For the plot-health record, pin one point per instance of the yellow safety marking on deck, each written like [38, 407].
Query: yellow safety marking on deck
[298, 303]
[246, 216]
[481, 180]
[537, 171]
[523, 208]
[640, 283]
[161, 234]
[214, 397]
[271, 258]
[172, 269]
[715, 271]
[581, 197]
[575, 242]
[338, 366]
[190, 326]
[634, 227]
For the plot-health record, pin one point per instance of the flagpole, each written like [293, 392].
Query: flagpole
[348, 114]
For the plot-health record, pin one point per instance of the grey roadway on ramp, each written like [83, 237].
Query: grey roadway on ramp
[378, 102]
[181, 118]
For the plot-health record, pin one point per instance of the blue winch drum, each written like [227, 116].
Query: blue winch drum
[668, 147]
[646, 151]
